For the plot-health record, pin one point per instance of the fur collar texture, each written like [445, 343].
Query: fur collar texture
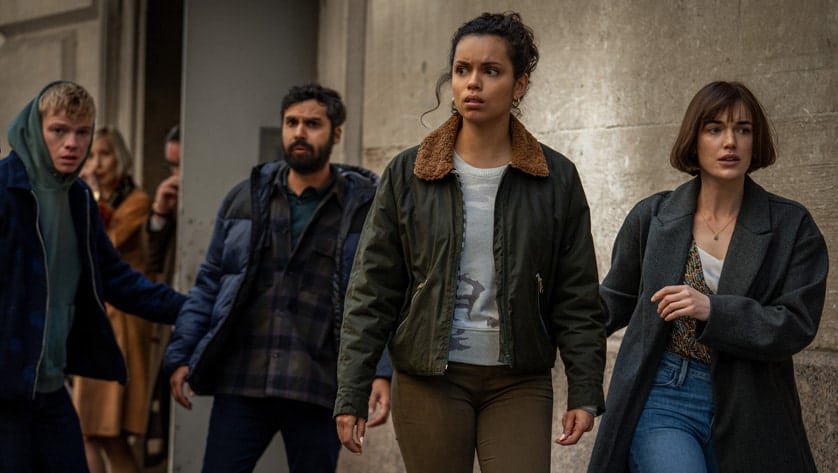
[435, 158]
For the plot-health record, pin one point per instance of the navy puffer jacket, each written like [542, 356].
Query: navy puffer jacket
[229, 272]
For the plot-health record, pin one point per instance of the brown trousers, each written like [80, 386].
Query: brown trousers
[506, 418]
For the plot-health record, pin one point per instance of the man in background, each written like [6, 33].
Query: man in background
[162, 223]
[260, 328]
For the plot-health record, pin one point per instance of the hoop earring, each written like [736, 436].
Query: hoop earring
[453, 106]
[515, 102]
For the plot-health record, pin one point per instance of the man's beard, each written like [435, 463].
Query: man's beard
[310, 162]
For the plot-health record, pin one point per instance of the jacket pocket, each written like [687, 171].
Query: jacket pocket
[665, 376]
[409, 308]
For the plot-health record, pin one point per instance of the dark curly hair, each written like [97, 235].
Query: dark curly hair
[519, 38]
[335, 109]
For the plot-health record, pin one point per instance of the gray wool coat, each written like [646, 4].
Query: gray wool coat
[768, 307]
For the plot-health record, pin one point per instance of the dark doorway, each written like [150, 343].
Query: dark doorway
[162, 60]
[162, 90]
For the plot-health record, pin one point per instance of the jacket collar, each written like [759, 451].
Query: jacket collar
[435, 157]
[754, 213]
[750, 242]
[350, 183]
[748, 246]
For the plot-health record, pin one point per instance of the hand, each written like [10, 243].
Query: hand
[177, 382]
[682, 301]
[379, 397]
[165, 198]
[88, 175]
[348, 426]
[575, 423]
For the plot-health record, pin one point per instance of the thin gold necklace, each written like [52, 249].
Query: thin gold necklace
[716, 233]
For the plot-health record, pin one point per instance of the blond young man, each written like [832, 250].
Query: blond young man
[58, 270]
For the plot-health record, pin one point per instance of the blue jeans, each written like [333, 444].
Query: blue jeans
[673, 432]
[241, 428]
[41, 435]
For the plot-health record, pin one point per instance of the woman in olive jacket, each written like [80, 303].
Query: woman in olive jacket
[530, 286]
[719, 282]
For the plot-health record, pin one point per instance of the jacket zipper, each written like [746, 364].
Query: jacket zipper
[459, 255]
[46, 312]
[416, 292]
[503, 309]
[539, 282]
[90, 256]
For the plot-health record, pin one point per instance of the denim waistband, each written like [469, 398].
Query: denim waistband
[686, 366]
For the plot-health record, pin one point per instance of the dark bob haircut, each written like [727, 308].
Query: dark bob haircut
[713, 99]
[335, 109]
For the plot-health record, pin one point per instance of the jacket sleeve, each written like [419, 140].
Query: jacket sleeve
[129, 290]
[577, 316]
[785, 324]
[373, 301]
[620, 288]
[195, 317]
[158, 244]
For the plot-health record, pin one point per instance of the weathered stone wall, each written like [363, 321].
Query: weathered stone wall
[41, 42]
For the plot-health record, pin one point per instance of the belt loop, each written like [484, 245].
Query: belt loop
[682, 375]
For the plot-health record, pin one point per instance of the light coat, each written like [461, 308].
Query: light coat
[107, 408]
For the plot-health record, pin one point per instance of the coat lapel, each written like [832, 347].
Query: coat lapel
[671, 234]
[750, 241]
[668, 244]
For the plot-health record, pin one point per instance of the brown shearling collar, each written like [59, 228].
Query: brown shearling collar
[435, 157]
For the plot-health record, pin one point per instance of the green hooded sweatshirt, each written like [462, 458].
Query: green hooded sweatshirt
[59, 238]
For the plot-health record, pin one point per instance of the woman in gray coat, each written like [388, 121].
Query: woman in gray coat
[719, 283]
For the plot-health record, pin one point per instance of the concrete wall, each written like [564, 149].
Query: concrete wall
[610, 90]
[44, 41]
[86, 41]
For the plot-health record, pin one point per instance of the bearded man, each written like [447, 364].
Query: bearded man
[259, 330]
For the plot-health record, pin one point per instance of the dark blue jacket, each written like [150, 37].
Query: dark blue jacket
[228, 275]
[91, 347]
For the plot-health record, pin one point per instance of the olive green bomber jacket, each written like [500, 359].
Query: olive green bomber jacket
[402, 289]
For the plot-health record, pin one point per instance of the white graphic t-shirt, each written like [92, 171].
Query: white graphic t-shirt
[475, 330]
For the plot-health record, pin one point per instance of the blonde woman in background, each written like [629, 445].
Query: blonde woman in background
[109, 412]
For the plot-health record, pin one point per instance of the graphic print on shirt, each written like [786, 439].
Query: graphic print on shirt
[475, 326]
[468, 291]
[466, 300]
